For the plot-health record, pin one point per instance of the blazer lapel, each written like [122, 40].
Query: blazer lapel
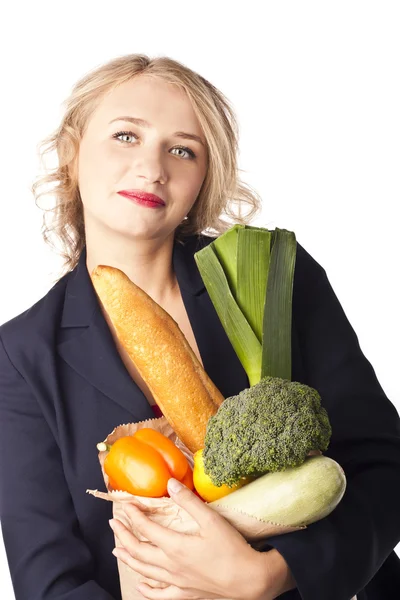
[220, 360]
[88, 347]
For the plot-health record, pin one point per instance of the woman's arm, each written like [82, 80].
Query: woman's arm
[336, 557]
[46, 555]
[279, 579]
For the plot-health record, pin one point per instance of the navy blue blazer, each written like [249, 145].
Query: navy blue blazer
[64, 387]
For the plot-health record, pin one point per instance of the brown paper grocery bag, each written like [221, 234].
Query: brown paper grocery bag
[166, 512]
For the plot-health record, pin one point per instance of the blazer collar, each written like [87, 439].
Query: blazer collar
[86, 343]
[80, 298]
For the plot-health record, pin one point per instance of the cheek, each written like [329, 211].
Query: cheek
[188, 187]
[198, 178]
[97, 172]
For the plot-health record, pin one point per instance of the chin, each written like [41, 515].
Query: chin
[138, 233]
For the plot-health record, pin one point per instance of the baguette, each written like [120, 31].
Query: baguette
[162, 355]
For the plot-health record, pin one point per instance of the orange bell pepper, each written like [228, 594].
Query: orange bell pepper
[176, 461]
[142, 464]
[112, 484]
[188, 479]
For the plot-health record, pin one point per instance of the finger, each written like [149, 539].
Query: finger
[163, 537]
[154, 583]
[156, 593]
[173, 592]
[144, 551]
[150, 571]
[184, 497]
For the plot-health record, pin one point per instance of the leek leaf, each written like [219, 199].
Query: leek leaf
[238, 330]
[277, 323]
[225, 247]
[253, 260]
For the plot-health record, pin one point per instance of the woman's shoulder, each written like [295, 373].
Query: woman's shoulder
[308, 272]
[38, 318]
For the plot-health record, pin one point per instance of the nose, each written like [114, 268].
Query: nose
[149, 165]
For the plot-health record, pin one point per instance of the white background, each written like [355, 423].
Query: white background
[315, 86]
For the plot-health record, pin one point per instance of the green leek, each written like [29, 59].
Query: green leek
[248, 273]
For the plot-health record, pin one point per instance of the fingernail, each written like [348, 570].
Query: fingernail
[112, 524]
[174, 486]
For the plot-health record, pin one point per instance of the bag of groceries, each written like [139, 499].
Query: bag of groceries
[165, 511]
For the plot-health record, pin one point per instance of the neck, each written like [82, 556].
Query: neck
[147, 262]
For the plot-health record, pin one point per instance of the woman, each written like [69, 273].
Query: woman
[140, 125]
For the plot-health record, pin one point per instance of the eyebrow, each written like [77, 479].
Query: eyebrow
[143, 123]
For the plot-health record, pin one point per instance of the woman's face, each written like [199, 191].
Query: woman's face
[116, 155]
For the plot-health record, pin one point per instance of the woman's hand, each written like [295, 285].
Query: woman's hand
[216, 562]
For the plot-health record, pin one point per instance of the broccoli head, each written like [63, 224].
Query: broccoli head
[268, 427]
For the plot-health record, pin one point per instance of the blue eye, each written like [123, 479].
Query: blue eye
[121, 133]
[131, 134]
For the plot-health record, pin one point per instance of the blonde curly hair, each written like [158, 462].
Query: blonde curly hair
[222, 188]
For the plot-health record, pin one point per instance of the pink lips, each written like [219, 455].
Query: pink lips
[142, 197]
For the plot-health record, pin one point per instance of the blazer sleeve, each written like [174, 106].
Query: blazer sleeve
[336, 557]
[46, 554]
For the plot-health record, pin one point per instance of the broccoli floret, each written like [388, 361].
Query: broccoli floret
[268, 427]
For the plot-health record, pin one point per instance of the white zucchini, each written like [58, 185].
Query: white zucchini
[294, 497]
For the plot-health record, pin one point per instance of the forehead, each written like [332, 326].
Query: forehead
[159, 102]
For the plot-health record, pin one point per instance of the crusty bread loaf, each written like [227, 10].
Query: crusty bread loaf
[161, 353]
